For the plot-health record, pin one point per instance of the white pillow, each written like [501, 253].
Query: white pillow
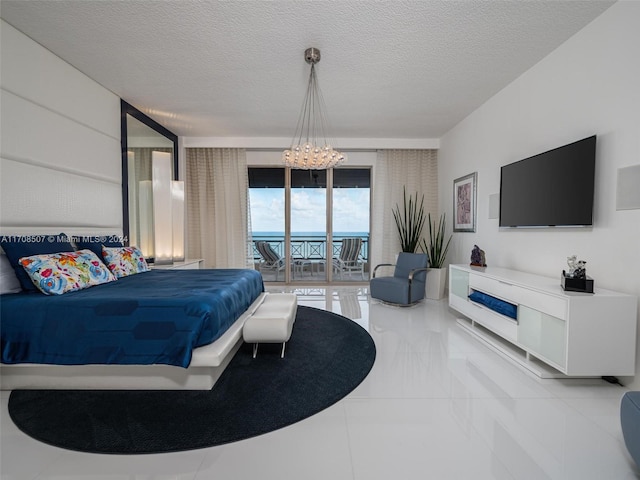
[9, 283]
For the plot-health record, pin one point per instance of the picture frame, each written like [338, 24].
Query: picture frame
[464, 203]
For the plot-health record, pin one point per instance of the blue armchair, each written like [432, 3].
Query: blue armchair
[406, 286]
[630, 421]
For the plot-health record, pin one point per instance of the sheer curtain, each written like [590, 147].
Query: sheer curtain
[216, 195]
[417, 170]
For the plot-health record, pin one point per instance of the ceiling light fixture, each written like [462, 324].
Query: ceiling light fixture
[312, 127]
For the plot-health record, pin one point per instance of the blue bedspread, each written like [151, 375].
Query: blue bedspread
[153, 317]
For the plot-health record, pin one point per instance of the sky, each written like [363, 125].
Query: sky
[308, 209]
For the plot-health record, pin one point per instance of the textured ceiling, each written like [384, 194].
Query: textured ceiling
[389, 69]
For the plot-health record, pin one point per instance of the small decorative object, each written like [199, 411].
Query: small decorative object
[572, 263]
[576, 267]
[576, 279]
[464, 203]
[580, 271]
[478, 258]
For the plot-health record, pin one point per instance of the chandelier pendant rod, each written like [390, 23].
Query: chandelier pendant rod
[310, 134]
[322, 109]
[302, 118]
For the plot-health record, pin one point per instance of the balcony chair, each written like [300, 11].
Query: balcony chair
[349, 259]
[406, 286]
[271, 260]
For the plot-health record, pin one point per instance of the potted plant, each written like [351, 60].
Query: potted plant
[410, 222]
[436, 250]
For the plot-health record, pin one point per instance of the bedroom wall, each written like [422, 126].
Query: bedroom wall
[589, 85]
[60, 161]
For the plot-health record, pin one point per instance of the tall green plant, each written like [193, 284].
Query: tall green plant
[410, 221]
[434, 248]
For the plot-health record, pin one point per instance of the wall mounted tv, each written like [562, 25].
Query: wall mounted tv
[554, 188]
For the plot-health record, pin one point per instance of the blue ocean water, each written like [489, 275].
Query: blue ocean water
[304, 239]
[310, 234]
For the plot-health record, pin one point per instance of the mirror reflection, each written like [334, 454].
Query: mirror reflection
[143, 143]
[146, 144]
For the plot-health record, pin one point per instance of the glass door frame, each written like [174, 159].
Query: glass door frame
[328, 278]
[328, 229]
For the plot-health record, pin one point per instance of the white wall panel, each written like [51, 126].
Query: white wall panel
[60, 165]
[34, 73]
[34, 196]
[33, 133]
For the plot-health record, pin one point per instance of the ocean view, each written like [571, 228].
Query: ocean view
[310, 244]
[311, 234]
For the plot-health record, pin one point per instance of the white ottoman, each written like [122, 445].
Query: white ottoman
[272, 322]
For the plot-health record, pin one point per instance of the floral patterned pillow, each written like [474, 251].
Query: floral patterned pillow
[58, 273]
[124, 261]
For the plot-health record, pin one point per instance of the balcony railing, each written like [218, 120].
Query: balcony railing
[311, 247]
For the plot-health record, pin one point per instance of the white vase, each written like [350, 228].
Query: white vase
[436, 281]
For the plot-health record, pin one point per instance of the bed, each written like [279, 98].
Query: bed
[162, 329]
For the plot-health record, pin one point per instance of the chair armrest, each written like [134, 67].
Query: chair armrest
[411, 274]
[414, 271]
[381, 265]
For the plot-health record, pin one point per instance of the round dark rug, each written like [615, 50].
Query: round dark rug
[326, 358]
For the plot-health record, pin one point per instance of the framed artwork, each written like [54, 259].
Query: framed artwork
[464, 203]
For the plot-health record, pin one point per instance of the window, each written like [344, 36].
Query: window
[311, 203]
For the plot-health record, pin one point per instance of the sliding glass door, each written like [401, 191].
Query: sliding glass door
[310, 226]
[267, 204]
[350, 220]
[308, 214]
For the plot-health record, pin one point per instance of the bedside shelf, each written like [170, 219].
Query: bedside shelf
[188, 264]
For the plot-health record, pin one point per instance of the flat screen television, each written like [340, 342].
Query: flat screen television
[554, 188]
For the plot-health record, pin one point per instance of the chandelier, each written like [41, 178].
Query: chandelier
[309, 147]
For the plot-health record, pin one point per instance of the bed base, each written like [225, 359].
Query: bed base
[207, 364]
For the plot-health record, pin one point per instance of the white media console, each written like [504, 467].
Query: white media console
[556, 333]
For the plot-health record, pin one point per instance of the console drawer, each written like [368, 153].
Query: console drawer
[492, 287]
[549, 304]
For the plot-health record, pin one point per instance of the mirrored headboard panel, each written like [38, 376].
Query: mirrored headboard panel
[141, 135]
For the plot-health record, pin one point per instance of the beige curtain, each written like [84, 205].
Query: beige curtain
[417, 170]
[216, 195]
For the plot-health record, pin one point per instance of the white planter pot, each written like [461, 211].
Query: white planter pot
[436, 281]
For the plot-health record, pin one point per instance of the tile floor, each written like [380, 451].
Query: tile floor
[436, 405]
